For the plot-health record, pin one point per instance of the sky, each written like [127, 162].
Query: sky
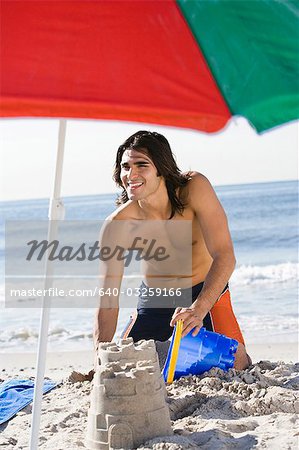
[235, 155]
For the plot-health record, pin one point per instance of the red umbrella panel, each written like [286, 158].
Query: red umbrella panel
[186, 63]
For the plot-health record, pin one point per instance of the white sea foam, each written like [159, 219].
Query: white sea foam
[276, 273]
[25, 338]
[255, 327]
[275, 324]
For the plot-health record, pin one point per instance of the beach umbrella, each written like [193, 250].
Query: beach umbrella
[185, 63]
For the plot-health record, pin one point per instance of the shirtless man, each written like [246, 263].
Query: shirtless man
[153, 188]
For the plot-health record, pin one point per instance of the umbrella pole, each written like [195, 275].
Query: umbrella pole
[56, 213]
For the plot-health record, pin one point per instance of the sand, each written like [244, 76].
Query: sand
[255, 408]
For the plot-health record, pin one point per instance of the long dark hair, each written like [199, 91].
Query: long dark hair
[156, 146]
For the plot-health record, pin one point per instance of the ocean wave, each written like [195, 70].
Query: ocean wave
[276, 273]
[26, 337]
[265, 328]
[268, 323]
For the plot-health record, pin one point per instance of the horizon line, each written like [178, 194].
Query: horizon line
[116, 193]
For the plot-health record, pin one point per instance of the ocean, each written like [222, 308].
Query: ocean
[263, 220]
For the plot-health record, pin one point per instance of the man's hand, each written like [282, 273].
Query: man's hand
[191, 319]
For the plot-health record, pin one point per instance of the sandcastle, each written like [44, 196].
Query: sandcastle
[128, 403]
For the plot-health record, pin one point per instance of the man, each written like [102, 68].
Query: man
[154, 189]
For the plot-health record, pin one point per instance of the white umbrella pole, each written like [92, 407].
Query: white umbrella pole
[56, 212]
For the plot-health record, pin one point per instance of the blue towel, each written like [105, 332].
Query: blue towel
[16, 394]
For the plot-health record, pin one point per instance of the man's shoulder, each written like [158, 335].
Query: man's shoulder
[123, 212]
[199, 191]
[196, 181]
[114, 229]
[194, 175]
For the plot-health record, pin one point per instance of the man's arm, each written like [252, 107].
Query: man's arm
[213, 222]
[111, 273]
[105, 325]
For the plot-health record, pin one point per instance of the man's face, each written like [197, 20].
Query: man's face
[139, 175]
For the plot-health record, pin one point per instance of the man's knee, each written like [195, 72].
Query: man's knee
[242, 360]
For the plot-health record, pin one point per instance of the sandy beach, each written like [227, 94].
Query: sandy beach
[254, 408]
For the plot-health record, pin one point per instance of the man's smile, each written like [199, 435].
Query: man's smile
[134, 184]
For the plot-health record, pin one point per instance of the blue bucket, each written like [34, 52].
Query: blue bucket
[200, 353]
